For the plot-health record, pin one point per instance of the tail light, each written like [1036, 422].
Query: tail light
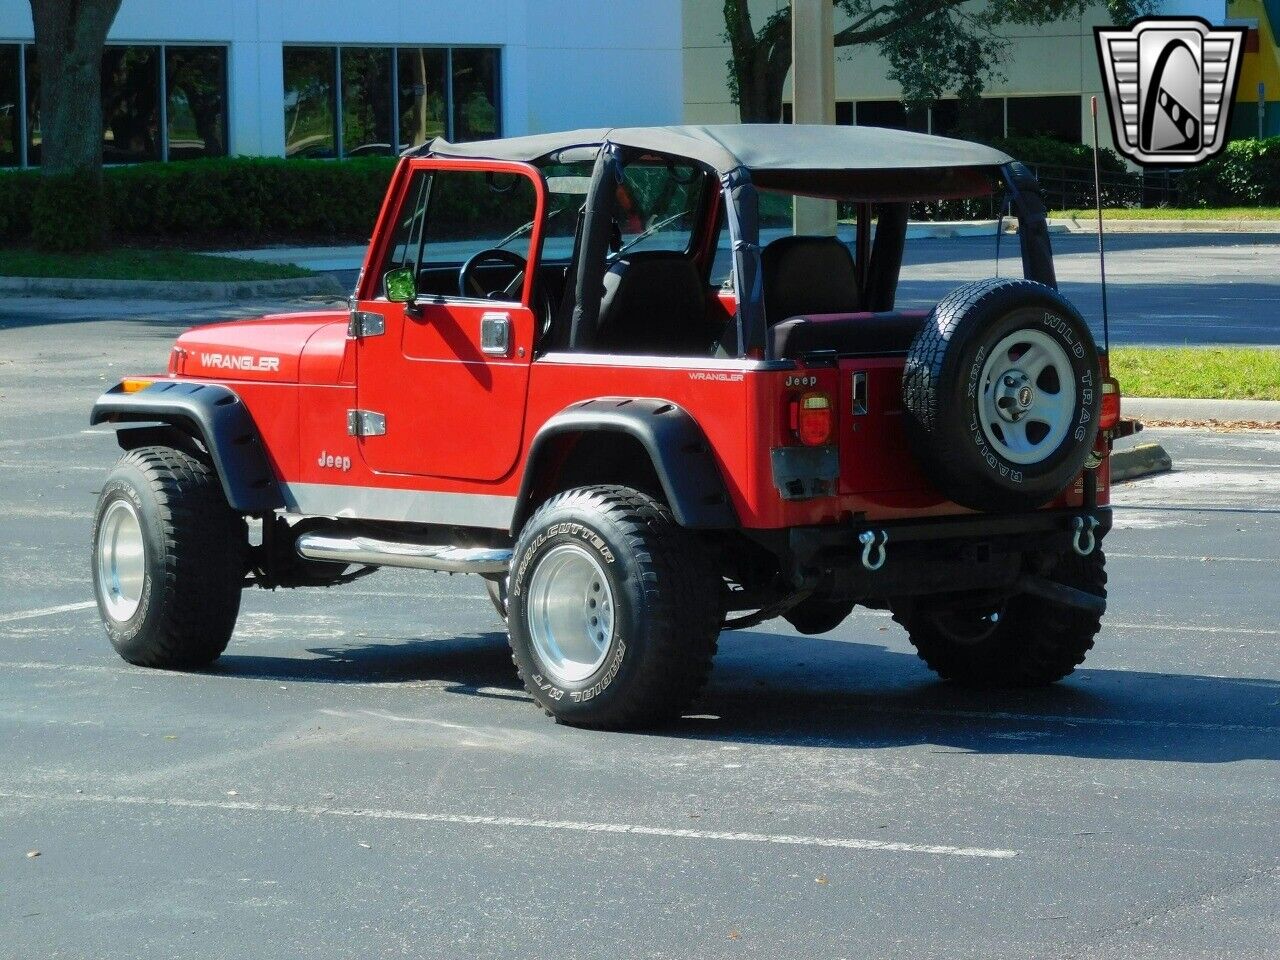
[1110, 404]
[812, 418]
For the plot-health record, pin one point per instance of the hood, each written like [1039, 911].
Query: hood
[268, 349]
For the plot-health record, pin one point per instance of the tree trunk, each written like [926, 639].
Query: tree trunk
[69, 208]
[761, 80]
[69, 39]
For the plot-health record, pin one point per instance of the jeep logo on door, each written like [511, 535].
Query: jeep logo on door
[1170, 82]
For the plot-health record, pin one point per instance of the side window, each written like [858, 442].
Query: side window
[450, 216]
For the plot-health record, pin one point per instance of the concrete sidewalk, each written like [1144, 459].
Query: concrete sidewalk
[1262, 411]
[1090, 225]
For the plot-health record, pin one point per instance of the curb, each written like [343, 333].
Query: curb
[1141, 461]
[83, 289]
[1090, 225]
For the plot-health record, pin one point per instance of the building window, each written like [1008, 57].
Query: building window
[367, 110]
[475, 94]
[354, 101]
[10, 106]
[310, 102]
[130, 104]
[892, 114]
[196, 102]
[424, 90]
[977, 120]
[31, 72]
[1056, 117]
[158, 103]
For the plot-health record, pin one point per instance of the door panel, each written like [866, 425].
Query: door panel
[451, 410]
[453, 403]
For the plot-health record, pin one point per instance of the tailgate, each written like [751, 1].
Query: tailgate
[874, 455]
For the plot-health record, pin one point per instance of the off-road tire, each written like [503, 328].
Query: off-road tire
[1035, 643]
[940, 394]
[195, 558]
[668, 608]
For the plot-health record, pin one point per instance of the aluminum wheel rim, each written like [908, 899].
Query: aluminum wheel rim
[122, 561]
[570, 610]
[1028, 399]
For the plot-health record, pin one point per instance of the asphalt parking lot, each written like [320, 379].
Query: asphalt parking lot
[361, 774]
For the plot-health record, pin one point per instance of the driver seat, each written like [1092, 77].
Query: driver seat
[653, 304]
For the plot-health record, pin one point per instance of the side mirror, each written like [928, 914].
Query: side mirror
[400, 285]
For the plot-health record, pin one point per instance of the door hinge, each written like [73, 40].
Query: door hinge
[364, 323]
[365, 423]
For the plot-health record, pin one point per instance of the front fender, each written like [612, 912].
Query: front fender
[676, 445]
[216, 417]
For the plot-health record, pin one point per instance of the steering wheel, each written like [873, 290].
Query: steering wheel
[469, 285]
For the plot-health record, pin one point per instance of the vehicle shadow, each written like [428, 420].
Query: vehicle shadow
[786, 690]
[804, 691]
[473, 664]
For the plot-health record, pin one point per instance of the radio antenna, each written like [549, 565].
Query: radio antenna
[1102, 251]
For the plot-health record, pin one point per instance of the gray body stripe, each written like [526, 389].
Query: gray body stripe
[405, 506]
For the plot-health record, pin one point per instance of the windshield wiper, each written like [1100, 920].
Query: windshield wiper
[649, 232]
[519, 232]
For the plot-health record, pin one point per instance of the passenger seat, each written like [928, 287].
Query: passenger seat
[654, 303]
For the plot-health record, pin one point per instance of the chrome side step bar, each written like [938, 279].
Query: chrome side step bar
[418, 556]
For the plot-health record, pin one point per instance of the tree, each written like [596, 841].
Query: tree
[933, 47]
[70, 35]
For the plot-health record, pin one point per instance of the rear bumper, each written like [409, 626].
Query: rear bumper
[939, 555]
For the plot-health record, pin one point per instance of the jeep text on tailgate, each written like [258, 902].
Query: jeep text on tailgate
[538, 382]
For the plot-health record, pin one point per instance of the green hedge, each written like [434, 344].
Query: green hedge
[228, 200]
[1245, 174]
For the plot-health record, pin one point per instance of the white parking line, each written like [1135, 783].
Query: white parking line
[1184, 556]
[45, 611]
[1247, 631]
[526, 823]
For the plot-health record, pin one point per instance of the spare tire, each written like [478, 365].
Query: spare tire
[1002, 397]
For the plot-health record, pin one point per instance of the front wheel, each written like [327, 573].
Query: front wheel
[612, 608]
[169, 560]
[1021, 641]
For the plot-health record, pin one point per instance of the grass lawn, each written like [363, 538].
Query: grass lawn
[1173, 213]
[130, 264]
[1228, 373]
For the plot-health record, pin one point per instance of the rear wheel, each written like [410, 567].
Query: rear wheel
[612, 608]
[169, 560]
[1021, 641]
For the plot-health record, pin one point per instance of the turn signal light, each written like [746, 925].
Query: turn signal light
[134, 384]
[814, 418]
[1110, 404]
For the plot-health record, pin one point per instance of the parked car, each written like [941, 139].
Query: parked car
[538, 382]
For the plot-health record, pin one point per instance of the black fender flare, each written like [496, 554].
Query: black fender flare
[676, 445]
[215, 416]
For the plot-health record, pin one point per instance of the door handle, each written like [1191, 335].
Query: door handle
[495, 334]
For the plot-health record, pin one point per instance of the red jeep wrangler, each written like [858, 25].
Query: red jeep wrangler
[542, 380]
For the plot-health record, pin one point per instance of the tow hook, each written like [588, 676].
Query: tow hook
[873, 554]
[1083, 541]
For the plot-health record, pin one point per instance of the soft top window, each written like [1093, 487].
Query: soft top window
[657, 203]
